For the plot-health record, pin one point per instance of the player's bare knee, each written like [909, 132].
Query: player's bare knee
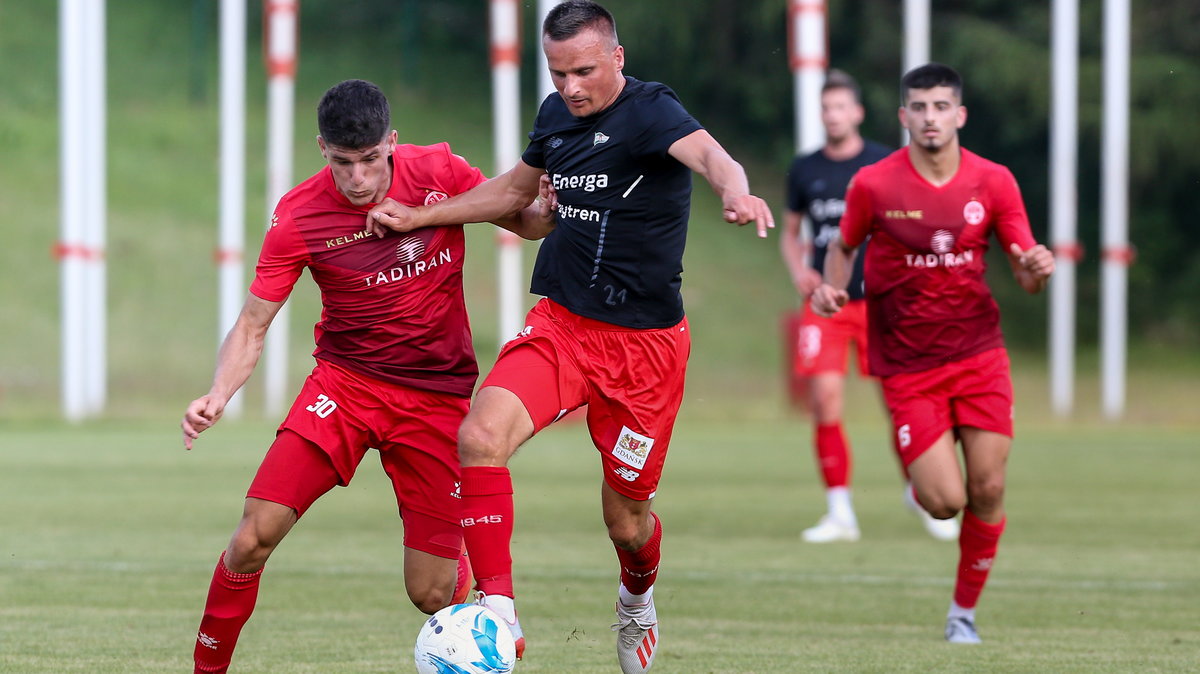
[430, 600]
[943, 507]
[479, 444]
[986, 493]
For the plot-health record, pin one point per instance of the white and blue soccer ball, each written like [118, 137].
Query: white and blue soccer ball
[465, 639]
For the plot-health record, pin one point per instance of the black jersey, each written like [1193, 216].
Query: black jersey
[616, 252]
[816, 186]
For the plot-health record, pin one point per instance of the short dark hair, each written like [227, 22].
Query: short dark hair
[353, 114]
[839, 79]
[567, 19]
[929, 76]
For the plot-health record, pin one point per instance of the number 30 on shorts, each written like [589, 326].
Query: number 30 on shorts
[323, 407]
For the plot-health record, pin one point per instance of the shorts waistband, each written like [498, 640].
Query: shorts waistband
[568, 317]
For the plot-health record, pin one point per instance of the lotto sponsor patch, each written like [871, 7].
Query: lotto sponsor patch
[633, 448]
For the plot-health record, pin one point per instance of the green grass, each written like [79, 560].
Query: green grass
[111, 530]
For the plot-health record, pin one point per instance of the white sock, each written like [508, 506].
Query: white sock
[503, 606]
[840, 507]
[629, 599]
[957, 611]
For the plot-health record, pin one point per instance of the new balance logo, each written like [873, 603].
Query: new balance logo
[627, 474]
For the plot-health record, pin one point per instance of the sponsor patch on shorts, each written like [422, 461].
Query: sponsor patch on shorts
[633, 448]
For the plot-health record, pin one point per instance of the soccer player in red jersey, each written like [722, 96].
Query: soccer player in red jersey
[395, 365]
[935, 338]
[816, 190]
[610, 333]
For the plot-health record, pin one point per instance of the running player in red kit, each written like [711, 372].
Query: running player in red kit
[395, 364]
[816, 190]
[935, 338]
[610, 332]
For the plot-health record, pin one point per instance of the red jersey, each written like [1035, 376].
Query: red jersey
[928, 303]
[392, 308]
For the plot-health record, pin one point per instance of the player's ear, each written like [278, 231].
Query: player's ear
[321, 145]
[962, 116]
[619, 57]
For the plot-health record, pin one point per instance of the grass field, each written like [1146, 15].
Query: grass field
[110, 532]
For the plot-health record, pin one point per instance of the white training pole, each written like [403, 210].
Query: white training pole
[93, 207]
[1064, 150]
[506, 129]
[917, 19]
[71, 248]
[1116, 252]
[545, 84]
[233, 172]
[281, 28]
[809, 59]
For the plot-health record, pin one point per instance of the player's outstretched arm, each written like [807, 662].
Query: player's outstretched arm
[702, 153]
[1031, 267]
[235, 362]
[536, 220]
[500, 198]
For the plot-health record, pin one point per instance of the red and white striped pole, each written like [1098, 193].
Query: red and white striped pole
[808, 58]
[506, 128]
[80, 249]
[281, 27]
[1116, 254]
[231, 242]
[1064, 151]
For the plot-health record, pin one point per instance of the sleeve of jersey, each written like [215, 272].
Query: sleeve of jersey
[856, 220]
[794, 189]
[1012, 222]
[463, 176]
[280, 262]
[664, 121]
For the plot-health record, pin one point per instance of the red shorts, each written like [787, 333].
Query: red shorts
[630, 379]
[343, 414]
[823, 343]
[975, 391]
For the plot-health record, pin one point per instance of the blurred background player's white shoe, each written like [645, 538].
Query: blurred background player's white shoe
[961, 630]
[943, 530]
[830, 529]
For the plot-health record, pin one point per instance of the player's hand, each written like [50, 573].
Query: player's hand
[390, 214]
[807, 281]
[1038, 261]
[201, 414]
[748, 208]
[547, 197]
[827, 300]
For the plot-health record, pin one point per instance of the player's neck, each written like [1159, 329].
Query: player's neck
[938, 167]
[845, 148]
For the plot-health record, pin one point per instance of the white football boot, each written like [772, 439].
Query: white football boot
[637, 636]
[504, 607]
[831, 530]
[961, 630]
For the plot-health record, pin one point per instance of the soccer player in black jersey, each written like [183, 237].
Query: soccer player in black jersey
[617, 156]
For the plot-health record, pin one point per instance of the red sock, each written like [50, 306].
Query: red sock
[231, 598]
[640, 569]
[487, 499]
[977, 549]
[833, 454]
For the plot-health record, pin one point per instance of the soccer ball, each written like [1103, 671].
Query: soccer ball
[465, 639]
